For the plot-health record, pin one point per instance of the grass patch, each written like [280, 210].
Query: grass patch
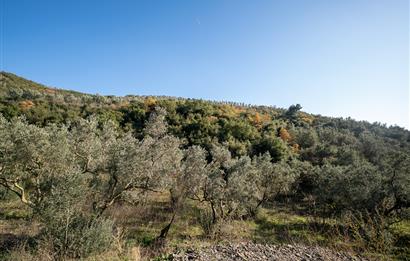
[280, 226]
[401, 231]
[14, 209]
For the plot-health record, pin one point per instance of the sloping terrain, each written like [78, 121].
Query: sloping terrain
[82, 175]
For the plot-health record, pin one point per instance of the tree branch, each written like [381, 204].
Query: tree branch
[17, 189]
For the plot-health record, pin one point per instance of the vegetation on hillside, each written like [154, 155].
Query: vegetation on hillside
[72, 159]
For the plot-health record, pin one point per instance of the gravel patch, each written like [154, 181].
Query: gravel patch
[252, 251]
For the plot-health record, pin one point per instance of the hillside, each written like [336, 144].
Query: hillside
[198, 121]
[175, 172]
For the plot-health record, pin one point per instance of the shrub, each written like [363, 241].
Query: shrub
[68, 228]
[205, 220]
[369, 231]
[80, 238]
[355, 187]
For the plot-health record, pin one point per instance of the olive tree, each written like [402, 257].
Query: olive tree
[215, 186]
[396, 177]
[39, 165]
[68, 227]
[117, 163]
[237, 187]
[353, 187]
[32, 157]
[265, 180]
[184, 180]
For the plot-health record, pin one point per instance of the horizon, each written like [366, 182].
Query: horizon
[269, 53]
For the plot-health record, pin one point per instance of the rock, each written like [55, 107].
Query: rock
[252, 251]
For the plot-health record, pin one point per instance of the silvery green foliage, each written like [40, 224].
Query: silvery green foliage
[239, 186]
[190, 174]
[236, 187]
[159, 152]
[227, 187]
[364, 187]
[41, 166]
[266, 181]
[92, 143]
[32, 158]
[156, 125]
[111, 162]
[225, 184]
[185, 180]
[118, 163]
[216, 184]
[343, 188]
[69, 228]
[65, 170]
[255, 181]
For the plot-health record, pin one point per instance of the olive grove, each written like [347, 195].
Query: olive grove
[69, 175]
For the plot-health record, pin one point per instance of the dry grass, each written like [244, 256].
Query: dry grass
[139, 224]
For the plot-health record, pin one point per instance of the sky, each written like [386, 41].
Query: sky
[335, 58]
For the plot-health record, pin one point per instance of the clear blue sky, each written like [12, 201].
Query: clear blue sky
[336, 58]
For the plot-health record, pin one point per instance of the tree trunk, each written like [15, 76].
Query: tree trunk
[213, 213]
[165, 230]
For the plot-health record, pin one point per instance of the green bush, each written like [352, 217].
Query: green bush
[205, 220]
[81, 237]
[369, 231]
